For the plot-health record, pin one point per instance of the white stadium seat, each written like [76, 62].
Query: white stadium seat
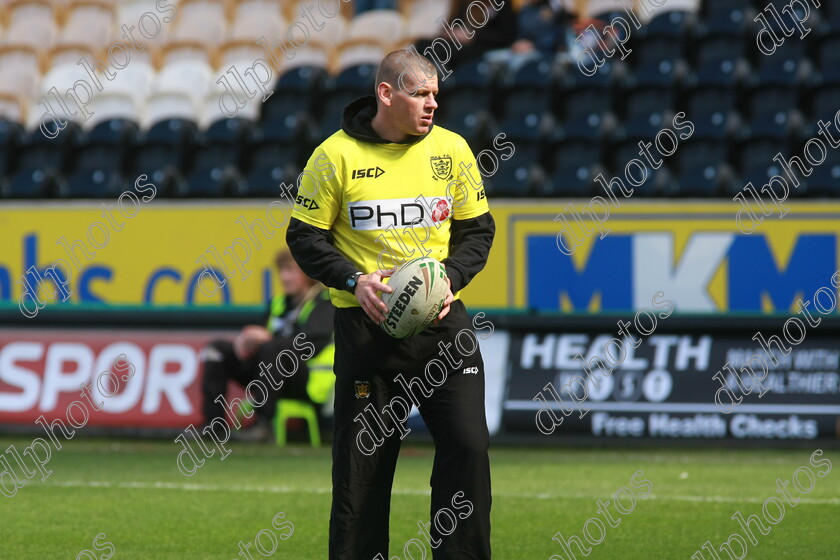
[384, 26]
[168, 105]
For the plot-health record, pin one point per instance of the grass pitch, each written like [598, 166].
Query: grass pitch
[133, 493]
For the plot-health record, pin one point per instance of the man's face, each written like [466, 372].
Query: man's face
[293, 279]
[412, 109]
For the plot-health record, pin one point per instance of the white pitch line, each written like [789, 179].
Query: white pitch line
[186, 486]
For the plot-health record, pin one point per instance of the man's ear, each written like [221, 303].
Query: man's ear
[384, 93]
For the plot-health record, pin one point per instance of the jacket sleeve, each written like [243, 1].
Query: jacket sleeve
[313, 249]
[469, 246]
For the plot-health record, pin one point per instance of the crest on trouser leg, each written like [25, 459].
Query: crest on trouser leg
[362, 389]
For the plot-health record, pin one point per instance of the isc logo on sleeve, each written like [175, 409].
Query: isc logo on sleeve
[308, 203]
[381, 214]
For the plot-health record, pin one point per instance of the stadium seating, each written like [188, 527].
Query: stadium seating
[219, 155]
[688, 56]
[529, 90]
[31, 23]
[473, 86]
[163, 152]
[100, 160]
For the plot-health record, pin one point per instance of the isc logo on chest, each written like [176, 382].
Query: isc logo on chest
[370, 172]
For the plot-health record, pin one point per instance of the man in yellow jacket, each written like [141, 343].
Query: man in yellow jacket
[388, 187]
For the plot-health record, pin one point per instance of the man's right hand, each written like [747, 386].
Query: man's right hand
[366, 288]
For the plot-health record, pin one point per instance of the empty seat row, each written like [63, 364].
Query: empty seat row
[99, 25]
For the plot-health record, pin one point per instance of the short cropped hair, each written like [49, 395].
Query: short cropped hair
[403, 60]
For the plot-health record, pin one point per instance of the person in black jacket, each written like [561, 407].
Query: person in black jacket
[303, 308]
[388, 187]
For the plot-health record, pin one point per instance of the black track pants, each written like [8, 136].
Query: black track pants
[376, 377]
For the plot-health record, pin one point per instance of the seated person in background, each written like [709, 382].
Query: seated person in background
[304, 308]
[542, 28]
[468, 42]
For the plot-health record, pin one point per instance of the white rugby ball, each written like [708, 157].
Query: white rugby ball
[420, 288]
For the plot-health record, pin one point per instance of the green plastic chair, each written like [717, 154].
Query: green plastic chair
[292, 408]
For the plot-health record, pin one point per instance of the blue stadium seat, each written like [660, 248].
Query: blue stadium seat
[755, 156]
[765, 99]
[359, 78]
[218, 159]
[769, 110]
[659, 74]
[277, 153]
[333, 107]
[40, 163]
[512, 180]
[529, 127]
[824, 103]
[163, 151]
[777, 125]
[824, 179]
[474, 126]
[698, 153]
[528, 134]
[575, 181]
[778, 72]
[297, 90]
[704, 181]
[573, 153]
[472, 74]
[758, 177]
[265, 177]
[828, 58]
[580, 95]
[90, 181]
[644, 110]
[831, 15]
[100, 161]
[586, 126]
[621, 154]
[646, 100]
[674, 24]
[656, 48]
[717, 125]
[11, 135]
[574, 163]
[472, 87]
[726, 17]
[717, 47]
[583, 101]
[351, 83]
[721, 73]
[529, 90]
[713, 6]
[707, 100]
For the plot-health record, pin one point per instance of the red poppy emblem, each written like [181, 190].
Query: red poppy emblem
[441, 211]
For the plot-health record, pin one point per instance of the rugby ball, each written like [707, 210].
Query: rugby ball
[420, 288]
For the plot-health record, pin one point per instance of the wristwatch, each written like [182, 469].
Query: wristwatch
[350, 283]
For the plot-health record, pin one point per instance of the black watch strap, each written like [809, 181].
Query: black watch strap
[352, 281]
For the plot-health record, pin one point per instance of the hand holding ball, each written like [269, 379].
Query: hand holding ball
[419, 291]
